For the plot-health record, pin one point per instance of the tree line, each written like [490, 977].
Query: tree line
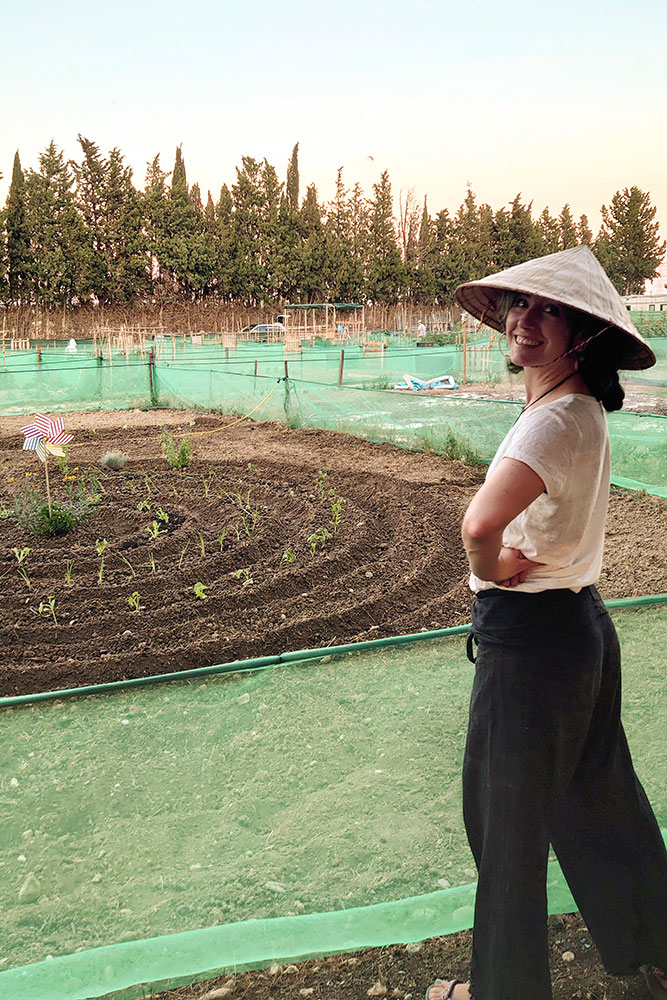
[76, 232]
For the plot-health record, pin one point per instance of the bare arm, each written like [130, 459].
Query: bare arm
[509, 490]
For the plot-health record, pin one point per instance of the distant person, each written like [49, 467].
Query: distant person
[71, 347]
[546, 758]
[421, 330]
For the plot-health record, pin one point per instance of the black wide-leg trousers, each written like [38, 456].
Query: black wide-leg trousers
[546, 761]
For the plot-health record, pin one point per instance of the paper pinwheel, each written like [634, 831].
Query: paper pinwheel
[46, 435]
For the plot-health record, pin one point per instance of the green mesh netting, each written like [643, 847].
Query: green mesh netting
[255, 817]
[212, 377]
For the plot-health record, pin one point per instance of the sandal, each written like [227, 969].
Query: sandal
[653, 984]
[450, 987]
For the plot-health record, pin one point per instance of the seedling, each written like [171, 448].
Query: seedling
[49, 606]
[101, 546]
[143, 505]
[151, 559]
[5, 512]
[221, 537]
[319, 537]
[147, 482]
[163, 515]
[288, 556]
[319, 485]
[249, 512]
[207, 484]
[244, 574]
[201, 543]
[68, 572]
[337, 504]
[127, 563]
[183, 551]
[154, 530]
[21, 556]
[200, 590]
[134, 602]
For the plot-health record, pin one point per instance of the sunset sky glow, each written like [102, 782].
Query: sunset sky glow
[562, 102]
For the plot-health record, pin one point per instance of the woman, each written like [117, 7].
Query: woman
[546, 758]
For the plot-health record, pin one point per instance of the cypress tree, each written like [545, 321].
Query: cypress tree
[58, 238]
[154, 209]
[567, 229]
[424, 283]
[550, 232]
[292, 185]
[386, 272]
[189, 251]
[19, 258]
[584, 234]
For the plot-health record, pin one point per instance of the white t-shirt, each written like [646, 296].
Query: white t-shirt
[567, 444]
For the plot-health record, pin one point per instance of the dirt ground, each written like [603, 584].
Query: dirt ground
[248, 520]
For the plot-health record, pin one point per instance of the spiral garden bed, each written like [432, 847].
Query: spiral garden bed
[298, 539]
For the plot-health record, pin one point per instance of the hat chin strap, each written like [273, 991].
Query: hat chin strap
[572, 350]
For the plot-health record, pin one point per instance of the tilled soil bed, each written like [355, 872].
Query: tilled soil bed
[248, 520]
[298, 539]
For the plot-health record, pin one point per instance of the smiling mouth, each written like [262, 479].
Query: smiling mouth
[526, 342]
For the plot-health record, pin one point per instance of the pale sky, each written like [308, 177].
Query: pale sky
[563, 102]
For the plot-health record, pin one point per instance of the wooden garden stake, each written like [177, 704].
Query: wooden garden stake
[46, 473]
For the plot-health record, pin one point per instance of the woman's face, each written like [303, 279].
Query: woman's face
[538, 330]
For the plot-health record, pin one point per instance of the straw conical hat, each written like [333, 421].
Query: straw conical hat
[572, 277]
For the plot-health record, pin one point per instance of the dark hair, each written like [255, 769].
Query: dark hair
[597, 363]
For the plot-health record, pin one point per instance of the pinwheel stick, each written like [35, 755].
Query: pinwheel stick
[46, 473]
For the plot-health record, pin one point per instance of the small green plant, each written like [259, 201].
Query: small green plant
[68, 572]
[32, 511]
[221, 538]
[5, 512]
[201, 543]
[127, 563]
[154, 530]
[21, 556]
[183, 551]
[337, 504]
[200, 590]
[319, 485]
[148, 482]
[207, 483]
[178, 455]
[163, 516]
[49, 606]
[151, 559]
[134, 602]
[101, 545]
[143, 505]
[245, 575]
[288, 556]
[115, 460]
[249, 510]
[319, 537]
